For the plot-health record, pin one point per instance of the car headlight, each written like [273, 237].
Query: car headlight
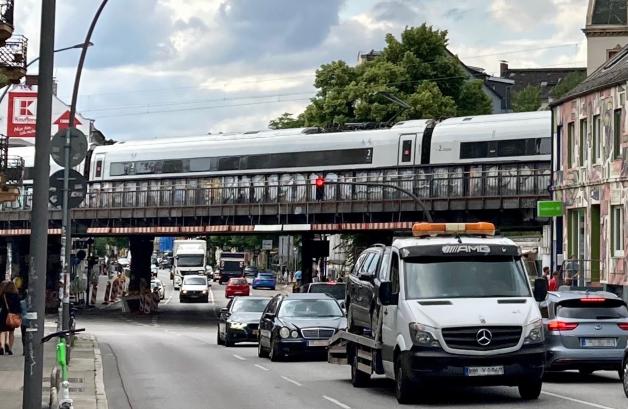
[284, 332]
[294, 334]
[237, 325]
[204, 291]
[184, 291]
[423, 335]
[534, 333]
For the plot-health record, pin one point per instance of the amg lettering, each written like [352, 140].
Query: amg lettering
[465, 248]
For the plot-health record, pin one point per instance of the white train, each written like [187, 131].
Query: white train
[281, 164]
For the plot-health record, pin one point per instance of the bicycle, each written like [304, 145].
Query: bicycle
[61, 356]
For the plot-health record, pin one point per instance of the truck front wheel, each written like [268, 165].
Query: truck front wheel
[404, 387]
[530, 389]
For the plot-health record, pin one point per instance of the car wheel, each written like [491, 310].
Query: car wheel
[274, 353]
[218, 339]
[261, 351]
[228, 341]
[272, 288]
[624, 377]
[530, 390]
[404, 387]
[359, 379]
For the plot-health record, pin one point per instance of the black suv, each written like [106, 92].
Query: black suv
[361, 303]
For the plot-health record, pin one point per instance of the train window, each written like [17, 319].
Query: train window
[98, 168]
[257, 162]
[406, 151]
[116, 169]
[229, 163]
[513, 147]
[471, 150]
[175, 166]
[200, 164]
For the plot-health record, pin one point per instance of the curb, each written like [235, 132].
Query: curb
[101, 396]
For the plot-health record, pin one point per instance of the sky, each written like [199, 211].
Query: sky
[165, 68]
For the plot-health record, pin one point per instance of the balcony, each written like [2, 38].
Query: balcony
[6, 20]
[11, 173]
[13, 59]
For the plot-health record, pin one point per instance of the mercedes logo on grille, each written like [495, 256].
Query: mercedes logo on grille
[484, 337]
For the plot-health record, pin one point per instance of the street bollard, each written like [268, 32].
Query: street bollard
[92, 300]
[107, 293]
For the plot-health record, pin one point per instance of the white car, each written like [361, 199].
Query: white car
[194, 287]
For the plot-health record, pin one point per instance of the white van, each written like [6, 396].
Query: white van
[451, 302]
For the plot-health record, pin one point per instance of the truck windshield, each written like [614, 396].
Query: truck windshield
[468, 277]
[190, 260]
[231, 266]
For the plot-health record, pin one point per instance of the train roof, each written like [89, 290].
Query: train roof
[497, 118]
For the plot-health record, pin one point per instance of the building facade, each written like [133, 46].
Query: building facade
[606, 31]
[591, 178]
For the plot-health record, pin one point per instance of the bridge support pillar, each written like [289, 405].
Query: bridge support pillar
[141, 250]
[306, 257]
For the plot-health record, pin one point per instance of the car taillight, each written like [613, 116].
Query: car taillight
[561, 326]
[623, 325]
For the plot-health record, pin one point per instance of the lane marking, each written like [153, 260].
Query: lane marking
[211, 296]
[263, 368]
[285, 378]
[241, 358]
[168, 300]
[582, 402]
[336, 402]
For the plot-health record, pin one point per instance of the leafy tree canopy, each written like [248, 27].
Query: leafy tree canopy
[416, 68]
[528, 99]
[567, 84]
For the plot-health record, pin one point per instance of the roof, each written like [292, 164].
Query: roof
[524, 77]
[415, 241]
[611, 73]
[572, 295]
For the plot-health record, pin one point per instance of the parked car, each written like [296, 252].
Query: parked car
[154, 271]
[209, 271]
[362, 288]
[265, 280]
[194, 287]
[156, 283]
[298, 323]
[216, 275]
[585, 330]
[237, 286]
[239, 321]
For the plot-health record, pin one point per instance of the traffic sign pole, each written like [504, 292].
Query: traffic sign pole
[66, 238]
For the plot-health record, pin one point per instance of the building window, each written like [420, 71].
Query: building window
[570, 144]
[617, 231]
[617, 133]
[581, 141]
[595, 147]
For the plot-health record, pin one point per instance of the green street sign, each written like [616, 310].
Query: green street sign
[549, 208]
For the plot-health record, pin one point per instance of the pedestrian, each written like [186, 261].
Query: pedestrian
[553, 282]
[297, 277]
[546, 273]
[24, 311]
[10, 316]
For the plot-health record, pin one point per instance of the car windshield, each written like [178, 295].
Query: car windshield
[249, 304]
[266, 276]
[190, 260]
[465, 277]
[238, 281]
[609, 309]
[195, 281]
[335, 290]
[310, 309]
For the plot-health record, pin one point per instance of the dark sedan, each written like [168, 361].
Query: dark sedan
[298, 323]
[239, 321]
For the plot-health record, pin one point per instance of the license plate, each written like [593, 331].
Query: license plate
[598, 342]
[318, 343]
[484, 370]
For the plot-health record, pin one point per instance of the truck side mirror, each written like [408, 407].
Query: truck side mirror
[385, 294]
[540, 289]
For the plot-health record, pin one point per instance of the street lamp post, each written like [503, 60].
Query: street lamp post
[34, 60]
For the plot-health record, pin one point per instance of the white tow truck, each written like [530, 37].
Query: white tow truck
[452, 303]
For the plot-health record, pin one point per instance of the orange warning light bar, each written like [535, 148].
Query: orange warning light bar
[429, 229]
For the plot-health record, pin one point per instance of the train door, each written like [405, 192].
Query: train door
[97, 175]
[407, 149]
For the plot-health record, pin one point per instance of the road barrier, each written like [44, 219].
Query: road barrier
[107, 293]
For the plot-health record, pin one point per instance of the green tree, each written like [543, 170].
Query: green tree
[473, 100]
[528, 99]
[286, 120]
[567, 84]
[416, 68]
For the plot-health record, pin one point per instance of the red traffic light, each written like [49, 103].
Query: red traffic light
[320, 182]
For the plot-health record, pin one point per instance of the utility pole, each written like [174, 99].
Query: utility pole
[66, 240]
[36, 298]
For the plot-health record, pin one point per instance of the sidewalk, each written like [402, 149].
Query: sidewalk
[86, 377]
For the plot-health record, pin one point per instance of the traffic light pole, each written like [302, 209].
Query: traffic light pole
[417, 200]
[36, 294]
